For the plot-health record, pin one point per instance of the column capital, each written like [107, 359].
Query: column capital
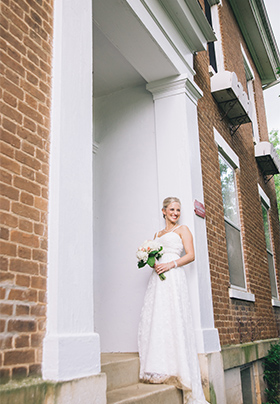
[175, 85]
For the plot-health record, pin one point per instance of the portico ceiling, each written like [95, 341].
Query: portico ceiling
[112, 72]
[138, 41]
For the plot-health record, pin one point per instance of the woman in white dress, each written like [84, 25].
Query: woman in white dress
[166, 340]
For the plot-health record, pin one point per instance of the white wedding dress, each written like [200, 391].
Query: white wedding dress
[166, 339]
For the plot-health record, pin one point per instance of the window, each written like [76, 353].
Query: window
[229, 162]
[232, 224]
[211, 47]
[265, 213]
[251, 94]
[248, 385]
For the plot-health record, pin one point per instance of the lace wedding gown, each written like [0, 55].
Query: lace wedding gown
[166, 339]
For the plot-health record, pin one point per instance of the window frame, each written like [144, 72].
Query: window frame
[265, 202]
[250, 78]
[235, 291]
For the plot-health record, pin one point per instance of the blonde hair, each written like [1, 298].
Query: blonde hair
[168, 201]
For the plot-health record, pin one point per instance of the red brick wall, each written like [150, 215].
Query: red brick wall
[237, 321]
[25, 62]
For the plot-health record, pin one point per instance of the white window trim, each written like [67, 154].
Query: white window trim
[251, 96]
[235, 291]
[218, 44]
[241, 294]
[264, 197]
[266, 202]
[247, 62]
[226, 150]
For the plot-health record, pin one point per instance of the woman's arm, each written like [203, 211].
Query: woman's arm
[187, 239]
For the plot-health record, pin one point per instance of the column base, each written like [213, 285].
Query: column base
[67, 357]
[212, 375]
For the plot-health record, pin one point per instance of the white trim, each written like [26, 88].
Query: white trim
[218, 44]
[247, 61]
[241, 295]
[95, 147]
[175, 86]
[251, 96]
[71, 348]
[226, 150]
[275, 302]
[265, 199]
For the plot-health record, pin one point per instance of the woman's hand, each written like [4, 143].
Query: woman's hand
[164, 267]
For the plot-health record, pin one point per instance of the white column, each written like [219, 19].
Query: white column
[71, 348]
[179, 174]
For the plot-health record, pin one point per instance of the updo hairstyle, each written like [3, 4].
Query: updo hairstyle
[168, 201]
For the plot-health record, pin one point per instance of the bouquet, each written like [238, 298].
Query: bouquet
[148, 252]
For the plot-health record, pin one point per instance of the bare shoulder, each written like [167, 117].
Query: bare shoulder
[184, 231]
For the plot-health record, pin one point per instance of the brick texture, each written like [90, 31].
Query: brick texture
[25, 63]
[237, 321]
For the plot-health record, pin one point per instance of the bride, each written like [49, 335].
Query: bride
[166, 340]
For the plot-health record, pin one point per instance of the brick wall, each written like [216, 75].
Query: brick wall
[237, 321]
[25, 62]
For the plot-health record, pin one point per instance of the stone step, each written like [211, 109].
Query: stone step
[122, 369]
[141, 393]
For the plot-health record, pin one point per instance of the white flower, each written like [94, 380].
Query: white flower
[142, 256]
[151, 245]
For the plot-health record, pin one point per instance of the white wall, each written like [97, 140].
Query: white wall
[126, 212]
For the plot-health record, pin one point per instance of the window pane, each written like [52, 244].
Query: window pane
[272, 275]
[266, 227]
[235, 260]
[228, 191]
[246, 383]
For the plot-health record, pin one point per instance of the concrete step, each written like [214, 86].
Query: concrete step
[122, 369]
[141, 393]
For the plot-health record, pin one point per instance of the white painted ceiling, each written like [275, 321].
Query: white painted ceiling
[112, 72]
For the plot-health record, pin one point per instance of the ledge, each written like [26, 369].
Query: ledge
[238, 355]
[241, 295]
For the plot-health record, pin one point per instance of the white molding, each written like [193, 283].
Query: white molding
[264, 197]
[174, 86]
[95, 147]
[192, 22]
[254, 24]
[226, 150]
[241, 295]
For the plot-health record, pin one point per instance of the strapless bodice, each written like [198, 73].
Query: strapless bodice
[172, 243]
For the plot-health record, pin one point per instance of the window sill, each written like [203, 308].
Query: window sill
[275, 302]
[241, 295]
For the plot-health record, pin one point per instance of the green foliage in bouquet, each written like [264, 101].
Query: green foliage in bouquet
[153, 255]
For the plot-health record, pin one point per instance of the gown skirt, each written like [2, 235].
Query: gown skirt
[166, 340]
